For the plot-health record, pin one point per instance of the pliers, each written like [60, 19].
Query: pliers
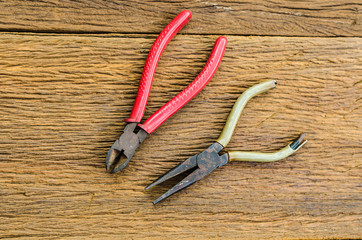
[134, 132]
[207, 161]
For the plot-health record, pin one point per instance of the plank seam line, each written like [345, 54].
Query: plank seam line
[116, 34]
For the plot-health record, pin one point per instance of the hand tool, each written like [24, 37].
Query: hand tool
[210, 159]
[135, 133]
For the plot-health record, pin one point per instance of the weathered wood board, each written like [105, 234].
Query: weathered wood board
[281, 17]
[63, 99]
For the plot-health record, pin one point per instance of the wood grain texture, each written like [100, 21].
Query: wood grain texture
[63, 99]
[281, 17]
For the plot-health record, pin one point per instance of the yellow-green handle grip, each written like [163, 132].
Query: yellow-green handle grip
[238, 107]
[268, 157]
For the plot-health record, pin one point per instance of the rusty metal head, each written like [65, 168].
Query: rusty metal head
[123, 149]
[204, 163]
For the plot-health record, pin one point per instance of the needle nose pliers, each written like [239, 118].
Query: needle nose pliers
[135, 133]
[207, 161]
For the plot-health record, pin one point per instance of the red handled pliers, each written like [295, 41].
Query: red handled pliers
[135, 133]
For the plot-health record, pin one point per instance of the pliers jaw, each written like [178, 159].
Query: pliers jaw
[204, 163]
[123, 149]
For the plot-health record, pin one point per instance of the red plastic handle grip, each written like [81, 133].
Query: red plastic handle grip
[151, 63]
[190, 91]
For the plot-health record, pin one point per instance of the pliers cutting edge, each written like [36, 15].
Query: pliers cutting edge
[207, 161]
[135, 133]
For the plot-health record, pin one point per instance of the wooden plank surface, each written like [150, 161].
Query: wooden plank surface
[281, 17]
[62, 102]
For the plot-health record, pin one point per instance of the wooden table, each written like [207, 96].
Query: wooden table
[69, 74]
